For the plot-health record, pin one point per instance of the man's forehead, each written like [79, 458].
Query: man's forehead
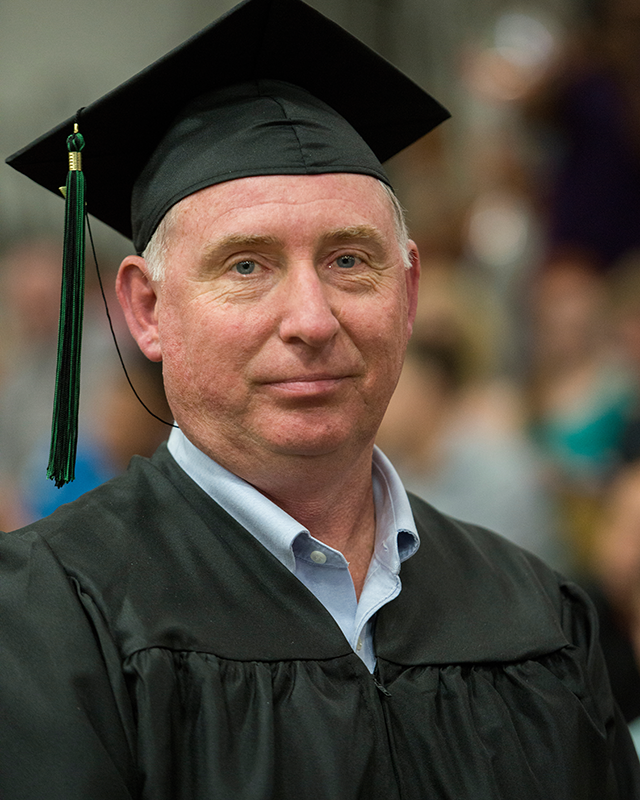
[264, 188]
[350, 195]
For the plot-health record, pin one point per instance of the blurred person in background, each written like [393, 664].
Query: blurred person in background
[585, 112]
[625, 296]
[615, 572]
[615, 589]
[455, 431]
[580, 394]
[120, 428]
[587, 106]
[29, 296]
[114, 424]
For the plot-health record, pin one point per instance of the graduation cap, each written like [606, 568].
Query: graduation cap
[270, 88]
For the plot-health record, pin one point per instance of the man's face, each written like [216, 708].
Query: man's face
[283, 317]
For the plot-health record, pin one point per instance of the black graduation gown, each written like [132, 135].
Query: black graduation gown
[152, 648]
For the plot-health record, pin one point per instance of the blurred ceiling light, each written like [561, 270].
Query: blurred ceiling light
[499, 231]
[524, 40]
[522, 46]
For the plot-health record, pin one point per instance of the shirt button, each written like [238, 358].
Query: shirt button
[359, 644]
[318, 557]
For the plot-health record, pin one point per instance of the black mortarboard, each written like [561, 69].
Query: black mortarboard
[283, 40]
[271, 87]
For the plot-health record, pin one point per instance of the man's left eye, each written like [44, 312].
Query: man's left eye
[346, 261]
[245, 267]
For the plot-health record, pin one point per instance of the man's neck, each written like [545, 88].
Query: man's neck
[342, 516]
[331, 496]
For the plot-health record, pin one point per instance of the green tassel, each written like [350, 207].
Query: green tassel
[64, 426]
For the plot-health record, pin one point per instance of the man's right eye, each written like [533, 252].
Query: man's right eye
[245, 267]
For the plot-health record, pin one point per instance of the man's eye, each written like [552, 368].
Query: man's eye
[245, 267]
[346, 262]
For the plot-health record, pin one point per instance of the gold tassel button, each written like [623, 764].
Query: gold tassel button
[75, 161]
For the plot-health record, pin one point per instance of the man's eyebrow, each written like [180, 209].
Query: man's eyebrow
[241, 241]
[353, 233]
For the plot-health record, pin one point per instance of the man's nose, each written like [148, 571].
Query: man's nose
[307, 314]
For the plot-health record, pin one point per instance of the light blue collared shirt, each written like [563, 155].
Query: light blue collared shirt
[323, 570]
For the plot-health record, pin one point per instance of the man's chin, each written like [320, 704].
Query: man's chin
[306, 448]
[310, 444]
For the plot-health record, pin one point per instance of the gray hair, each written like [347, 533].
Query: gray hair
[155, 253]
[400, 224]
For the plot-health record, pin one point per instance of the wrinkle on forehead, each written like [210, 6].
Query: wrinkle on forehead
[263, 190]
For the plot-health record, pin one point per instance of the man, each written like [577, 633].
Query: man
[229, 618]
[281, 320]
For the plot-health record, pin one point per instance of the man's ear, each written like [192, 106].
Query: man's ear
[412, 276]
[139, 301]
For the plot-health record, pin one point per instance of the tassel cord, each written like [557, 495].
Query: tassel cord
[113, 335]
[64, 427]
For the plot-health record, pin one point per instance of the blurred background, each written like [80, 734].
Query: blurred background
[519, 405]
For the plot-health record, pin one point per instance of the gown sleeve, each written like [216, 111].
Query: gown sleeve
[580, 623]
[64, 728]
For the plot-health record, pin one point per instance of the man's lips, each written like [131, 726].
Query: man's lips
[307, 385]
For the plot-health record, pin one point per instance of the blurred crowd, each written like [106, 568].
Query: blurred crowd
[519, 404]
[114, 426]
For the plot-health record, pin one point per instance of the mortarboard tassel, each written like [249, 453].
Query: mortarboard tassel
[64, 426]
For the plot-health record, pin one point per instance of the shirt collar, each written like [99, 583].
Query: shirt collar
[394, 518]
[396, 535]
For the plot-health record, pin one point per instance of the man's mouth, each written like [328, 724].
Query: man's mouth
[308, 385]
